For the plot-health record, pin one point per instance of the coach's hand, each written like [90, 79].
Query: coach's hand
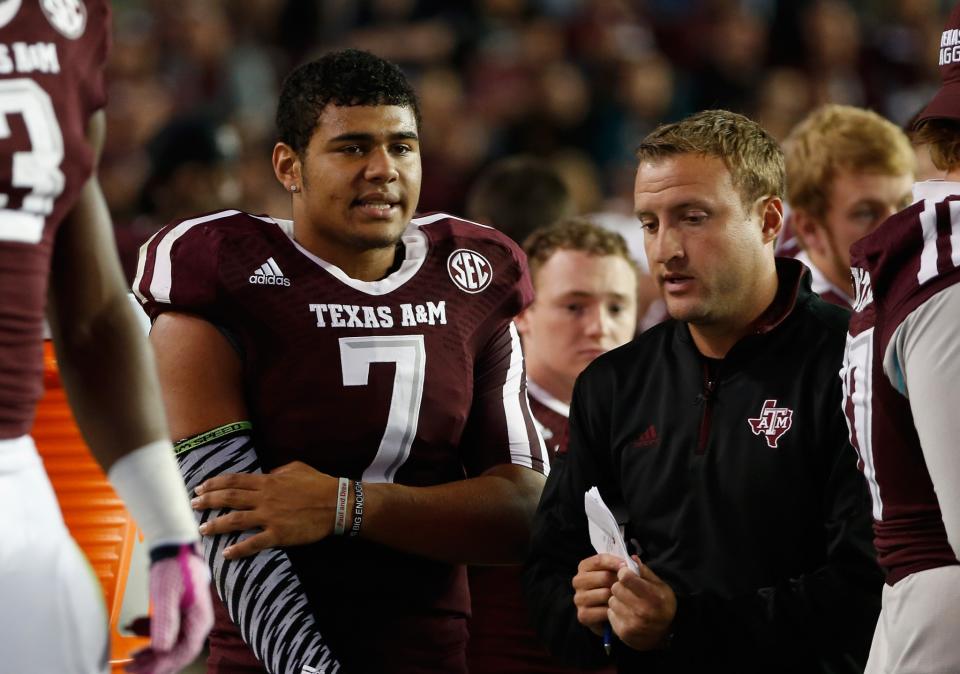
[595, 577]
[182, 611]
[293, 505]
[642, 608]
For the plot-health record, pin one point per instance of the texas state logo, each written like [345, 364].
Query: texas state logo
[69, 17]
[772, 423]
[469, 270]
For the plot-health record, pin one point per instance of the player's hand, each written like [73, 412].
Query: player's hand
[182, 613]
[293, 505]
[642, 608]
[592, 589]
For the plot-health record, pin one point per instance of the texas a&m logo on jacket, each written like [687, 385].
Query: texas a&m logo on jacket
[772, 423]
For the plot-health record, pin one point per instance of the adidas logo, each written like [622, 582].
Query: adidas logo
[269, 274]
[648, 438]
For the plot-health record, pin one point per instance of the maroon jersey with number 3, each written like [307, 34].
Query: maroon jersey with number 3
[903, 263]
[415, 379]
[52, 54]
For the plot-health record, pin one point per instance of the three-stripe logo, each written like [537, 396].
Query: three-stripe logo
[269, 274]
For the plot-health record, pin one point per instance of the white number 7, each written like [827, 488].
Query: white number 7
[410, 357]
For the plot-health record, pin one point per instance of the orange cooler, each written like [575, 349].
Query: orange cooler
[94, 514]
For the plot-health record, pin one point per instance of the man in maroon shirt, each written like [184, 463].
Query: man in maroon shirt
[848, 170]
[900, 374]
[56, 244]
[371, 360]
[585, 284]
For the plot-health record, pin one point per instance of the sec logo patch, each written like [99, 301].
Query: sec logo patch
[8, 10]
[69, 17]
[469, 270]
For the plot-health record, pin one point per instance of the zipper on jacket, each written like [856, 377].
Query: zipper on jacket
[706, 416]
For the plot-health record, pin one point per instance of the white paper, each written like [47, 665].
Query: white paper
[604, 531]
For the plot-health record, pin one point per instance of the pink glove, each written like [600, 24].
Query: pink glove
[182, 612]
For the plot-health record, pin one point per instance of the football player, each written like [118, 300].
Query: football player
[57, 255]
[585, 285]
[848, 170]
[368, 359]
[901, 366]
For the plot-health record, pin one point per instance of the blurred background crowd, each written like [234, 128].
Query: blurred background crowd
[577, 83]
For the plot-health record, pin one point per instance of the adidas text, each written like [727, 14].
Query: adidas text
[264, 280]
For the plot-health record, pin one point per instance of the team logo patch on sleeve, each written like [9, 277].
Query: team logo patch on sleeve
[772, 423]
[469, 270]
[8, 10]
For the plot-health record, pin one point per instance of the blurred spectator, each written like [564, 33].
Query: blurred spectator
[191, 171]
[783, 100]
[732, 63]
[557, 79]
[831, 31]
[518, 195]
[455, 140]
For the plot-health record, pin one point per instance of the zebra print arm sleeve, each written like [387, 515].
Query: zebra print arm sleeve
[286, 641]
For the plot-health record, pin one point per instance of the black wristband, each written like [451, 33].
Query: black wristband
[357, 508]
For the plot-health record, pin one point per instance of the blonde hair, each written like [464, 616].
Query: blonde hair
[942, 138]
[840, 137]
[751, 155]
[574, 234]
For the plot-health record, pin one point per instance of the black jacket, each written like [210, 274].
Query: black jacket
[741, 489]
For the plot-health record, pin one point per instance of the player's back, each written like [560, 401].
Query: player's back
[51, 82]
[896, 268]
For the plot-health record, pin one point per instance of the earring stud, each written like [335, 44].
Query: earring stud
[294, 188]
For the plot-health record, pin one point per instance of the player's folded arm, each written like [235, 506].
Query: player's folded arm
[201, 376]
[253, 587]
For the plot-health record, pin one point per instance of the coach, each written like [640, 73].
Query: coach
[720, 435]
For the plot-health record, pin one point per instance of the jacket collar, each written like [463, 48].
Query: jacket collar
[793, 289]
[793, 284]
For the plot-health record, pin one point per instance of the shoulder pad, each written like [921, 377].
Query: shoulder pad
[177, 268]
[453, 236]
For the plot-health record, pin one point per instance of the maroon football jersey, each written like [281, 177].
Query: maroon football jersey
[501, 636]
[415, 379]
[51, 82]
[896, 268]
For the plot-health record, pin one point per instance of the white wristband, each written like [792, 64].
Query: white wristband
[340, 517]
[148, 480]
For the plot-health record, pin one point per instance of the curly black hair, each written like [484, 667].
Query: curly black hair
[347, 77]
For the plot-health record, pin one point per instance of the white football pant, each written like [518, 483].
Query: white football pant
[52, 613]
